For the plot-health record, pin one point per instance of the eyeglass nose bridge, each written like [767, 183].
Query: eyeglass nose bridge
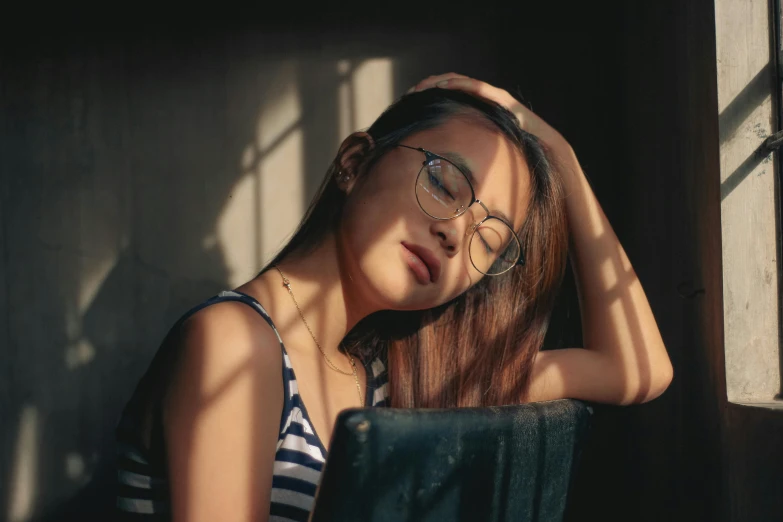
[472, 228]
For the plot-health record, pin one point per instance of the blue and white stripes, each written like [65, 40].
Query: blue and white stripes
[300, 455]
[143, 491]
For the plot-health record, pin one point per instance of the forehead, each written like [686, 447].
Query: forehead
[500, 172]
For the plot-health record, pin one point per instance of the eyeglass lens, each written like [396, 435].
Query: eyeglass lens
[443, 192]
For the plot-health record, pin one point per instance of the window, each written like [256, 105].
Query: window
[749, 103]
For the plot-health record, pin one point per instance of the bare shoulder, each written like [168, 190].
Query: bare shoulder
[221, 415]
[224, 343]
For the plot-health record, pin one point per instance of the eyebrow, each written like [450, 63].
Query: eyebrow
[461, 164]
[458, 160]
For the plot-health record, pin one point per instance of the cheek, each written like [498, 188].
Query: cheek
[461, 282]
[363, 229]
[378, 209]
[368, 218]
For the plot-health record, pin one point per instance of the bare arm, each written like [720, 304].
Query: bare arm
[222, 415]
[624, 359]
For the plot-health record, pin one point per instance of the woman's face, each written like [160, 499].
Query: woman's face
[400, 258]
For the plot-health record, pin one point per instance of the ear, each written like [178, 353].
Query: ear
[351, 159]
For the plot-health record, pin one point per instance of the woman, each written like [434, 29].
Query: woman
[423, 275]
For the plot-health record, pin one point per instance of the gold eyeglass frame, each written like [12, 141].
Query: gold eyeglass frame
[428, 158]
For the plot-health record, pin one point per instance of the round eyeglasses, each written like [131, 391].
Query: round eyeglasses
[444, 191]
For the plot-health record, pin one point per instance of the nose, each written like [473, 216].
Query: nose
[451, 233]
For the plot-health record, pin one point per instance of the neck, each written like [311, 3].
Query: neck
[324, 292]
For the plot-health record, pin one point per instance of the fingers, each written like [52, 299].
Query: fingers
[487, 92]
[460, 82]
[527, 120]
[464, 83]
[478, 88]
[432, 81]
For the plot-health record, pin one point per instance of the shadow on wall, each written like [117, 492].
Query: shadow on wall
[141, 178]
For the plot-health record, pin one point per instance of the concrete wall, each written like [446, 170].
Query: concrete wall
[141, 173]
[746, 90]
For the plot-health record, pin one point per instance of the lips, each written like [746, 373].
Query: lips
[423, 258]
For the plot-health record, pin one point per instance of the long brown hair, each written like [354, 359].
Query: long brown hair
[477, 349]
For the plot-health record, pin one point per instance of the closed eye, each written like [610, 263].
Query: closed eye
[486, 245]
[438, 185]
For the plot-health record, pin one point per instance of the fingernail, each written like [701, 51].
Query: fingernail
[442, 83]
[411, 90]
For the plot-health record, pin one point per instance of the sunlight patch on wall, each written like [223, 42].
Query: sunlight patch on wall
[373, 90]
[366, 89]
[281, 188]
[746, 59]
[94, 272]
[24, 479]
[266, 204]
[280, 172]
[749, 133]
[345, 123]
[237, 233]
[74, 466]
[79, 353]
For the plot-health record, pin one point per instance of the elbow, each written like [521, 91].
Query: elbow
[644, 383]
[659, 381]
[662, 380]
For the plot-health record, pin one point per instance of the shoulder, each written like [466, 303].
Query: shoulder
[232, 329]
[231, 321]
[225, 341]
[221, 413]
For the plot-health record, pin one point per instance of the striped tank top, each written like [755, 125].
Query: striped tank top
[142, 478]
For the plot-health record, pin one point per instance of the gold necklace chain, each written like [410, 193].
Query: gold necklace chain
[287, 284]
